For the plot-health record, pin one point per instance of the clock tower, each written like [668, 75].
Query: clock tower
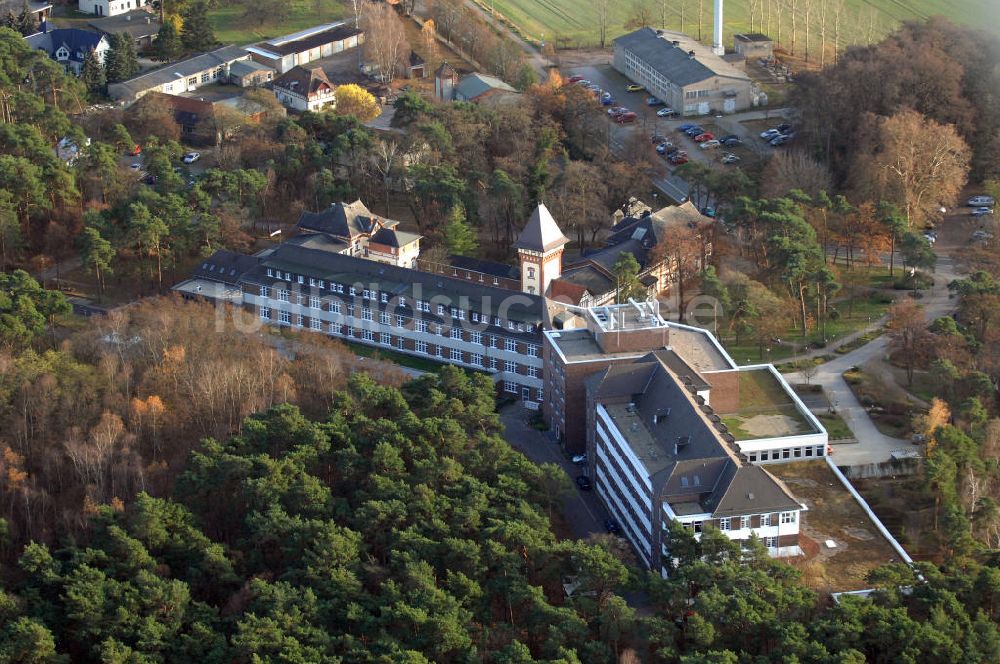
[540, 249]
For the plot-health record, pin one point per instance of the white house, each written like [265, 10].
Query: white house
[110, 7]
[304, 89]
[69, 46]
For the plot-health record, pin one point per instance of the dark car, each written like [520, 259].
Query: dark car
[583, 482]
[784, 128]
[657, 138]
[684, 127]
[663, 147]
[695, 131]
[612, 527]
[149, 179]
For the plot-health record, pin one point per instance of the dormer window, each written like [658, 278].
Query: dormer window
[62, 54]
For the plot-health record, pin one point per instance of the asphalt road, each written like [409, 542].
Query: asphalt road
[583, 511]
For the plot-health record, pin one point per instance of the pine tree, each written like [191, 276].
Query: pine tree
[92, 74]
[120, 61]
[168, 42]
[196, 32]
[459, 238]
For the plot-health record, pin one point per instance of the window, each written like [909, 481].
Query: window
[366, 294]
[493, 341]
[497, 321]
[456, 333]
[477, 360]
[206, 77]
[265, 313]
[511, 325]
[383, 318]
[386, 339]
[697, 526]
[399, 343]
[439, 351]
[314, 302]
[510, 345]
[533, 372]
[270, 272]
[339, 288]
[476, 337]
[788, 517]
[493, 363]
[322, 284]
[531, 273]
[366, 313]
[299, 320]
[510, 386]
[771, 542]
[367, 335]
[809, 451]
[335, 306]
[385, 298]
[765, 520]
[797, 452]
[440, 310]
[265, 291]
[193, 81]
[456, 355]
[352, 291]
[315, 324]
[541, 395]
[301, 279]
[334, 328]
[284, 317]
[312, 282]
[532, 350]
[421, 326]
[725, 524]
[350, 310]
[819, 450]
[399, 321]
[351, 332]
[424, 306]
[510, 367]
[299, 299]
[744, 522]
[475, 317]
[283, 295]
[420, 346]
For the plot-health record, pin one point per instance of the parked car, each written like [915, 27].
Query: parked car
[780, 139]
[617, 110]
[583, 482]
[136, 166]
[191, 157]
[583, 82]
[696, 130]
[149, 179]
[784, 128]
[671, 151]
[653, 101]
[633, 87]
[707, 136]
[628, 116]
[982, 235]
[930, 237]
[607, 101]
[981, 211]
[684, 127]
[710, 144]
[580, 459]
[768, 134]
[656, 139]
[666, 112]
[678, 158]
[136, 151]
[730, 158]
[612, 527]
[575, 78]
[708, 212]
[980, 201]
[664, 146]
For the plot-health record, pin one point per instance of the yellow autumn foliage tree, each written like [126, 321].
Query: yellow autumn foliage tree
[937, 416]
[354, 100]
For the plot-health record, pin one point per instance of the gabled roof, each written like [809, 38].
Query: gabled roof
[567, 291]
[473, 86]
[589, 276]
[177, 71]
[302, 81]
[137, 23]
[78, 42]
[344, 220]
[541, 233]
[656, 48]
[753, 37]
[301, 42]
[415, 59]
[445, 71]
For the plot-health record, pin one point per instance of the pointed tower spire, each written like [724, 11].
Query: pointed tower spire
[540, 247]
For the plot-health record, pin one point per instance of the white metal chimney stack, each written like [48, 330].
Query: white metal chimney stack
[717, 46]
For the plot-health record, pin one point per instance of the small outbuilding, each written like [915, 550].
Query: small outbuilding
[250, 74]
[753, 45]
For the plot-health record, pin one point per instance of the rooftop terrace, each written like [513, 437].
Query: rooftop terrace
[766, 409]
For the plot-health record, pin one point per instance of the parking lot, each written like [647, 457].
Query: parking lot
[622, 137]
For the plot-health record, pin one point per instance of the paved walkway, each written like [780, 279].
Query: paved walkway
[873, 446]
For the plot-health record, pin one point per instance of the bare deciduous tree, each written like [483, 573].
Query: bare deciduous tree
[385, 40]
[601, 9]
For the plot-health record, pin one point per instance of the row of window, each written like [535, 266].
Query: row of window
[786, 453]
[743, 522]
[475, 337]
[456, 313]
[456, 355]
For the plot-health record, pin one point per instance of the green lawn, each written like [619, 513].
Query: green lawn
[402, 359]
[835, 426]
[576, 21]
[762, 396]
[231, 28]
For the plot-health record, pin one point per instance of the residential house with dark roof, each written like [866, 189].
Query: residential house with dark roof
[284, 53]
[69, 46]
[141, 25]
[658, 454]
[684, 73]
[352, 229]
[304, 89]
